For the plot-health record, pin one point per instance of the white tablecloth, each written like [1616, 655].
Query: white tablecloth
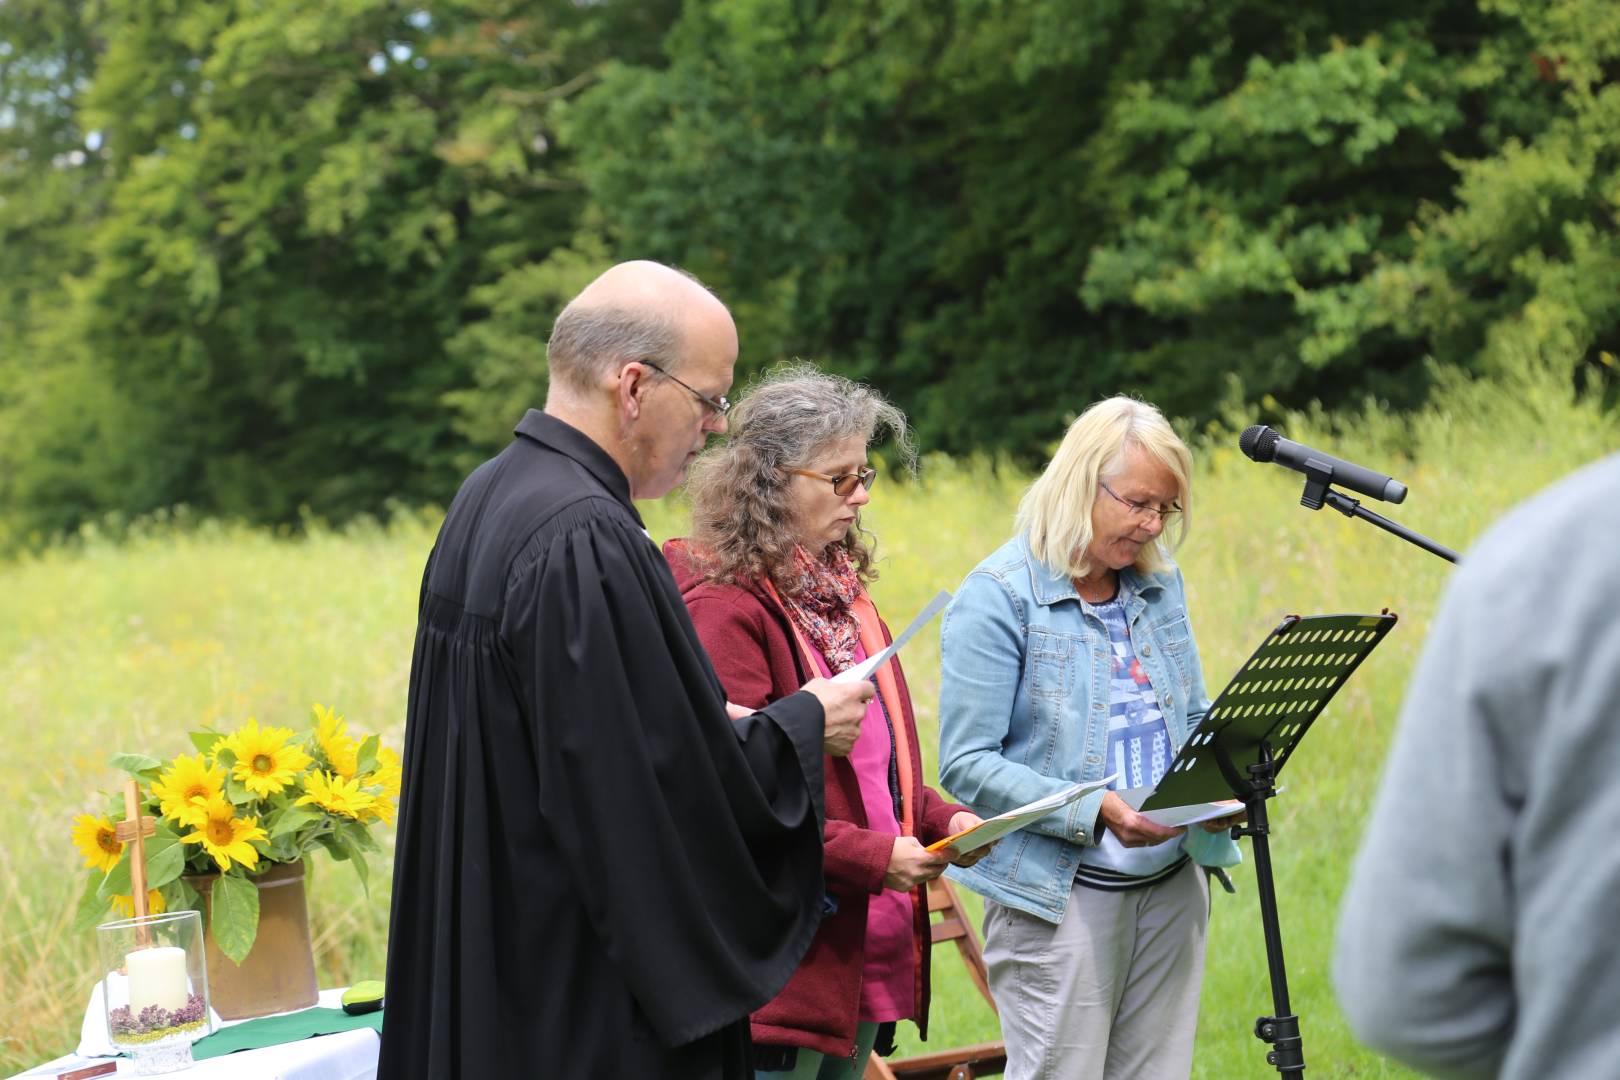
[347, 1055]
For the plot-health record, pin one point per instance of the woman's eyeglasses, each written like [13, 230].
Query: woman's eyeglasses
[843, 485]
[1143, 510]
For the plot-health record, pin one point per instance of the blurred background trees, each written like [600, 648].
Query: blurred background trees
[269, 258]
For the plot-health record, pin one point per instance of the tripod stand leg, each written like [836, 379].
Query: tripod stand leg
[1281, 1029]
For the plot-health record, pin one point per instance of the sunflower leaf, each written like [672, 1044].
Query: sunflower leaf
[137, 765]
[335, 846]
[92, 906]
[165, 859]
[178, 895]
[234, 916]
[284, 849]
[116, 883]
[204, 740]
[364, 871]
[366, 758]
[294, 817]
[359, 837]
[237, 792]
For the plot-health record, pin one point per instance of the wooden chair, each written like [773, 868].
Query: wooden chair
[950, 923]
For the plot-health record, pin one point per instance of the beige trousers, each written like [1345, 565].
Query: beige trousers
[1111, 993]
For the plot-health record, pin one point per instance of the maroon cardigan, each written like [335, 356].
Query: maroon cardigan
[750, 640]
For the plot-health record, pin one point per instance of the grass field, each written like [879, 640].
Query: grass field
[127, 644]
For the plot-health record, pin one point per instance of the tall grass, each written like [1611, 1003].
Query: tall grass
[126, 645]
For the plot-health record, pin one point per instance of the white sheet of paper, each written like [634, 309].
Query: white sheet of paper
[1172, 816]
[864, 669]
[995, 828]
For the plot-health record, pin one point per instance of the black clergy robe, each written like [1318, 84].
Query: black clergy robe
[597, 874]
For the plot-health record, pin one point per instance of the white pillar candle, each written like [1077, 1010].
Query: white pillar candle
[157, 977]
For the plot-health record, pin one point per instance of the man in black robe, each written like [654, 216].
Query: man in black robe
[601, 867]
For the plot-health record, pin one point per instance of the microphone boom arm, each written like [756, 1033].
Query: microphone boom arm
[1319, 477]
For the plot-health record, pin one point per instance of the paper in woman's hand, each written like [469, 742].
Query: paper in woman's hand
[1174, 816]
[864, 669]
[993, 829]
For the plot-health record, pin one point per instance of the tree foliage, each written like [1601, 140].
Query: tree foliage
[261, 255]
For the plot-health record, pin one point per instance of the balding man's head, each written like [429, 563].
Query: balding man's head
[634, 311]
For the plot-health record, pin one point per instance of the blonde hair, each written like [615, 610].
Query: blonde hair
[1055, 513]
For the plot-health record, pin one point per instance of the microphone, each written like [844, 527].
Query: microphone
[1262, 443]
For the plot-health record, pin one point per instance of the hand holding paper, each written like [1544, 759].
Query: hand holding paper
[843, 707]
[1191, 814]
[995, 828]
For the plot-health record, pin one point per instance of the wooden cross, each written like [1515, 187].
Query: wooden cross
[134, 829]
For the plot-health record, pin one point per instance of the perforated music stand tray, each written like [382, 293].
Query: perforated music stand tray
[1270, 702]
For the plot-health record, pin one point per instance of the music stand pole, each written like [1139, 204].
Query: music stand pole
[1281, 1029]
[1241, 745]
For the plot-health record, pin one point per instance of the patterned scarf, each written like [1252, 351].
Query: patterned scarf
[820, 605]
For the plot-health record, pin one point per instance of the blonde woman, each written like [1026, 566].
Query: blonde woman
[1067, 655]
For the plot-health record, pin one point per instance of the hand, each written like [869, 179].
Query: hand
[911, 864]
[1230, 821]
[844, 704]
[1129, 827]
[737, 712]
[961, 822]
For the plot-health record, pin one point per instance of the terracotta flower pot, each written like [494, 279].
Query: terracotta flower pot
[278, 974]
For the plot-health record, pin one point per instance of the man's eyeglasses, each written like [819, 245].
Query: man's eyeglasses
[1143, 510]
[719, 404]
[843, 485]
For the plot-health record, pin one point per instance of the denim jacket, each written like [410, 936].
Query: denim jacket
[1024, 712]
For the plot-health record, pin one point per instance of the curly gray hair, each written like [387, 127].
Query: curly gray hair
[742, 519]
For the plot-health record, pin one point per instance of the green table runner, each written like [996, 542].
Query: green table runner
[275, 1030]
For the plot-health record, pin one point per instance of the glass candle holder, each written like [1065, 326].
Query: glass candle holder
[155, 987]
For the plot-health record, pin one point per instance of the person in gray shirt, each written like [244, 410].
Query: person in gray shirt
[1480, 934]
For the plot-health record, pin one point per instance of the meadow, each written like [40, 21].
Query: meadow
[126, 639]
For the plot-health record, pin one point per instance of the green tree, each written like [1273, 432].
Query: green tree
[52, 180]
[999, 209]
[302, 204]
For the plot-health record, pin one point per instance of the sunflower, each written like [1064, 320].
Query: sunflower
[185, 788]
[125, 905]
[97, 841]
[388, 773]
[332, 734]
[381, 808]
[266, 761]
[336, 795]
[226, 836]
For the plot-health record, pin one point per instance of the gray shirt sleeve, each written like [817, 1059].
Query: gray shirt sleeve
[1422, 964]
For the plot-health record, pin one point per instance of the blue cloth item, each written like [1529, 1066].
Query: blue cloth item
[1026, 681]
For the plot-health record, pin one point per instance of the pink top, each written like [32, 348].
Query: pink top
[887, 976]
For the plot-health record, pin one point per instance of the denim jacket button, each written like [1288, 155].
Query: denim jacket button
[1147, 650]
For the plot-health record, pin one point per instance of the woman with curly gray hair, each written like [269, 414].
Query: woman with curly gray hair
[775, 578]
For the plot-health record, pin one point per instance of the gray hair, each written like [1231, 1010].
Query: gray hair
[590, 342]
[741, 514]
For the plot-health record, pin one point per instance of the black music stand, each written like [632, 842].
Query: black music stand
[1242, 744]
